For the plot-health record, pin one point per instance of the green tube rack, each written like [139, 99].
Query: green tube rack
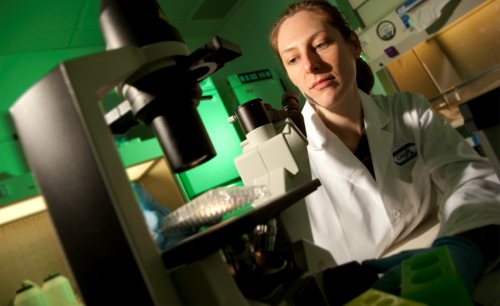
[432, 278]
[373, 297]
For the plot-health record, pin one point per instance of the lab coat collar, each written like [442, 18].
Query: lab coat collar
[316, 126]
[379, 130]
[372, 113]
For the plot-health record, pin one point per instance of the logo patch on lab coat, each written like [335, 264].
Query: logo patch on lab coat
[404, 154]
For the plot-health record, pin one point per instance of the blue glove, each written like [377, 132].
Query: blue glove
[464, 253]
[154, 213]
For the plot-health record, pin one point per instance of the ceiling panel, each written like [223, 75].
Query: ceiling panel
[87, 38]
[201, 28]
[35, 26]
[177, 23]
[214, 9]
[35, 16]
[178, 9]
[90, 15]
[29, 43]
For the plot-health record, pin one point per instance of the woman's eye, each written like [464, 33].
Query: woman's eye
[319, 46]
[292, 61]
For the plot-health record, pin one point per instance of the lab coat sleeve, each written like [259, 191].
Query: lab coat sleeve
[466, 183]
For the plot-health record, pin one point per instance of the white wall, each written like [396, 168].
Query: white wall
[405, 39]
[374, 10]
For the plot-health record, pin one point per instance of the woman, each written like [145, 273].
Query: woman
[381, 159]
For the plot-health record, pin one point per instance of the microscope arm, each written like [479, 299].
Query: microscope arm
[79, 172]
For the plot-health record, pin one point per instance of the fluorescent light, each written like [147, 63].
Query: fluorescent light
[22, 209]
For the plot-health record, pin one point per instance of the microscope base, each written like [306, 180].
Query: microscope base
[207, 282]
[300, 283]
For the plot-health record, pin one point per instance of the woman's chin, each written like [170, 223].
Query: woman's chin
[325, 99]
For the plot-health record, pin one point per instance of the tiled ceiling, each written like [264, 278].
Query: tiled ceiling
[36, 26]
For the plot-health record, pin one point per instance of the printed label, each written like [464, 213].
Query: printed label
[405, 154]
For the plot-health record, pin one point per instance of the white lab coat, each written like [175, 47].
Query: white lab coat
[415, 155]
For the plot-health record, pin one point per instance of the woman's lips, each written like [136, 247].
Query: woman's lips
[322, 83]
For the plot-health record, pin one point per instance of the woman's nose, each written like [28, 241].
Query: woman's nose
[312, 63]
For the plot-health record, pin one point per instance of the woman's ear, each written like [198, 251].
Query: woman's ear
[354, 40]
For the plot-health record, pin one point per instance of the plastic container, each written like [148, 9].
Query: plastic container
[373, 297]
[432, 278]
[58, 291]
[209, 208]
[30, 295]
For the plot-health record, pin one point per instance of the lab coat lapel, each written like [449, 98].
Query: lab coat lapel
[333, 154]
[379, 130]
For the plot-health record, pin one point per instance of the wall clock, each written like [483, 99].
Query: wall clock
[386, 30]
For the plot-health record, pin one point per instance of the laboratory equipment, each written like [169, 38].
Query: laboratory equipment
[220, 171]
[433, 279]
[275, 155]
[209, 208]
[374, 297]
[348, 281]
[263, 84]
[78, 170]
[157, 93]
[482, 117]
[58, 290]
[30, 295]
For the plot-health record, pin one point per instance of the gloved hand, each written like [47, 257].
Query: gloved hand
[154, 213]
[464, 253]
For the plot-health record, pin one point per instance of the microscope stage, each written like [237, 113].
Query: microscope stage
[202, 244]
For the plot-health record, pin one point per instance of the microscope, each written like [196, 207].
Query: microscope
[286, 267]
[67, 140]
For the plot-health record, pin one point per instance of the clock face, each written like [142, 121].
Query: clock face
[386, 30]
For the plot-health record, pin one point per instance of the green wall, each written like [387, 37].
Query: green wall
[17, 74]
[33, 43]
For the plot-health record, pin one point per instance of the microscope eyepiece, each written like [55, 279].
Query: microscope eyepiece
[252, 115]
[290, 102]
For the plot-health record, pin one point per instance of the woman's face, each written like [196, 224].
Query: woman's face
[317, 59]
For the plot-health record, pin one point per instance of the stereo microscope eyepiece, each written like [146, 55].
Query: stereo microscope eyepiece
[252, 115]
[290, 102]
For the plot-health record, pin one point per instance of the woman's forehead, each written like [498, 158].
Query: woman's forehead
[300, 28]
[300, 19]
